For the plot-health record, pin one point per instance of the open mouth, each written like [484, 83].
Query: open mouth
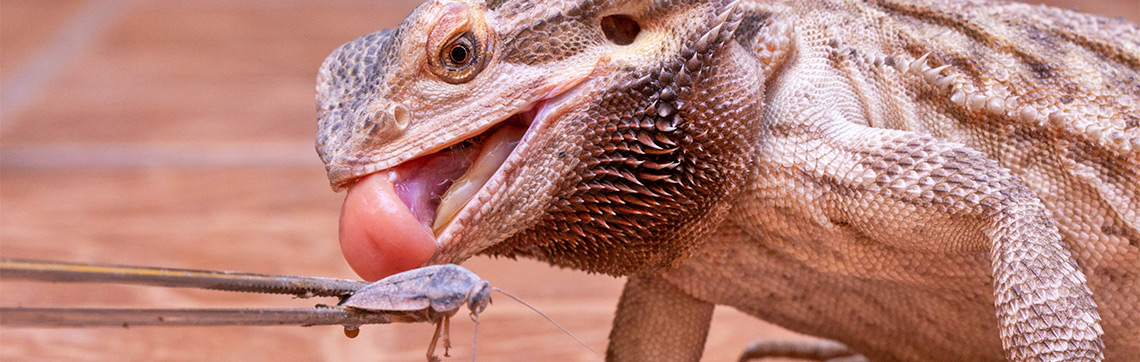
[435, 187]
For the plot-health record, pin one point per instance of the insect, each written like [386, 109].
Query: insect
[438, 290]
[433, 293]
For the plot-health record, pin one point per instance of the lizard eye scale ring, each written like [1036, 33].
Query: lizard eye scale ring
[458, 44]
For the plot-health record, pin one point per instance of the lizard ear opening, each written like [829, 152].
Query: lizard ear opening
[620, 29]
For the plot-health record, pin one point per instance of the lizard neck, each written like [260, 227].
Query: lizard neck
[671, 146]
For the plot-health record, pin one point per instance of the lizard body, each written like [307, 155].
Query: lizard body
[919, 181]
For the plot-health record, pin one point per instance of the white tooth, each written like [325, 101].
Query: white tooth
[495, 150]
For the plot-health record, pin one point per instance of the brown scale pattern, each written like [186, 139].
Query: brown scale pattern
[964, 179]
[358, 70]
[640, 169]
[550, 40]
[918, 180]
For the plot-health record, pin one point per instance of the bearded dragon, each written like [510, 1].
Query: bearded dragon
[944, 180]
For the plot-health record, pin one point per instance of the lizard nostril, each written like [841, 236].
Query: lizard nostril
[620, 29]
[400, 115]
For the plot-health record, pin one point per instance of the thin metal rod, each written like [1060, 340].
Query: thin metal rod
[98, 317]
[50, 271]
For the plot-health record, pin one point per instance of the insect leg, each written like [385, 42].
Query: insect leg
[447, 336]
[434, 338]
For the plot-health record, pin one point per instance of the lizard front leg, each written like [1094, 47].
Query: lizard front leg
[657, 322]
[918, 193]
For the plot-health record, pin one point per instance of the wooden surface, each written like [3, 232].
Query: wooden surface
[179, 134]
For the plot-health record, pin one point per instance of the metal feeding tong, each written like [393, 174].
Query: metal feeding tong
[428, 294]
[299, 286]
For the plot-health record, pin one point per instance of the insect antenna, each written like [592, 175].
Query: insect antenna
[544, 316]
[475, 335]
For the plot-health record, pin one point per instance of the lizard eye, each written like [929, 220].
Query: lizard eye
[458, 44]
[459, 53]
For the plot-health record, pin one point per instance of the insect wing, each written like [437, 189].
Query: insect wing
[405, 291]
[450, 287]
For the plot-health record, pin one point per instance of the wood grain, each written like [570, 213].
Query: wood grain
[180, 134]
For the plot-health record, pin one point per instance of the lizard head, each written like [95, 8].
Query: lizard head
[583, 133]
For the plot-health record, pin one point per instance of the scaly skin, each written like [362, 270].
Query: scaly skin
[943, 181]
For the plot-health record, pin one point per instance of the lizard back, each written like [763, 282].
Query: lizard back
[1053, 95]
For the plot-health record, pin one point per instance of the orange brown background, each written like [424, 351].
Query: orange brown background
[179, 134]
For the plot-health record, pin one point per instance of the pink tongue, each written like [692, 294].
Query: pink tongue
[379, 236]
[387, 217]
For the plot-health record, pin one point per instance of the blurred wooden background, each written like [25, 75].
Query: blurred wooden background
[179, 134]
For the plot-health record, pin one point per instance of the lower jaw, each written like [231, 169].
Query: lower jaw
[496, 148]
[436, 187]
[379, 234]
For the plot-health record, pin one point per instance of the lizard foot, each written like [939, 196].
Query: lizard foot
[822, 350]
